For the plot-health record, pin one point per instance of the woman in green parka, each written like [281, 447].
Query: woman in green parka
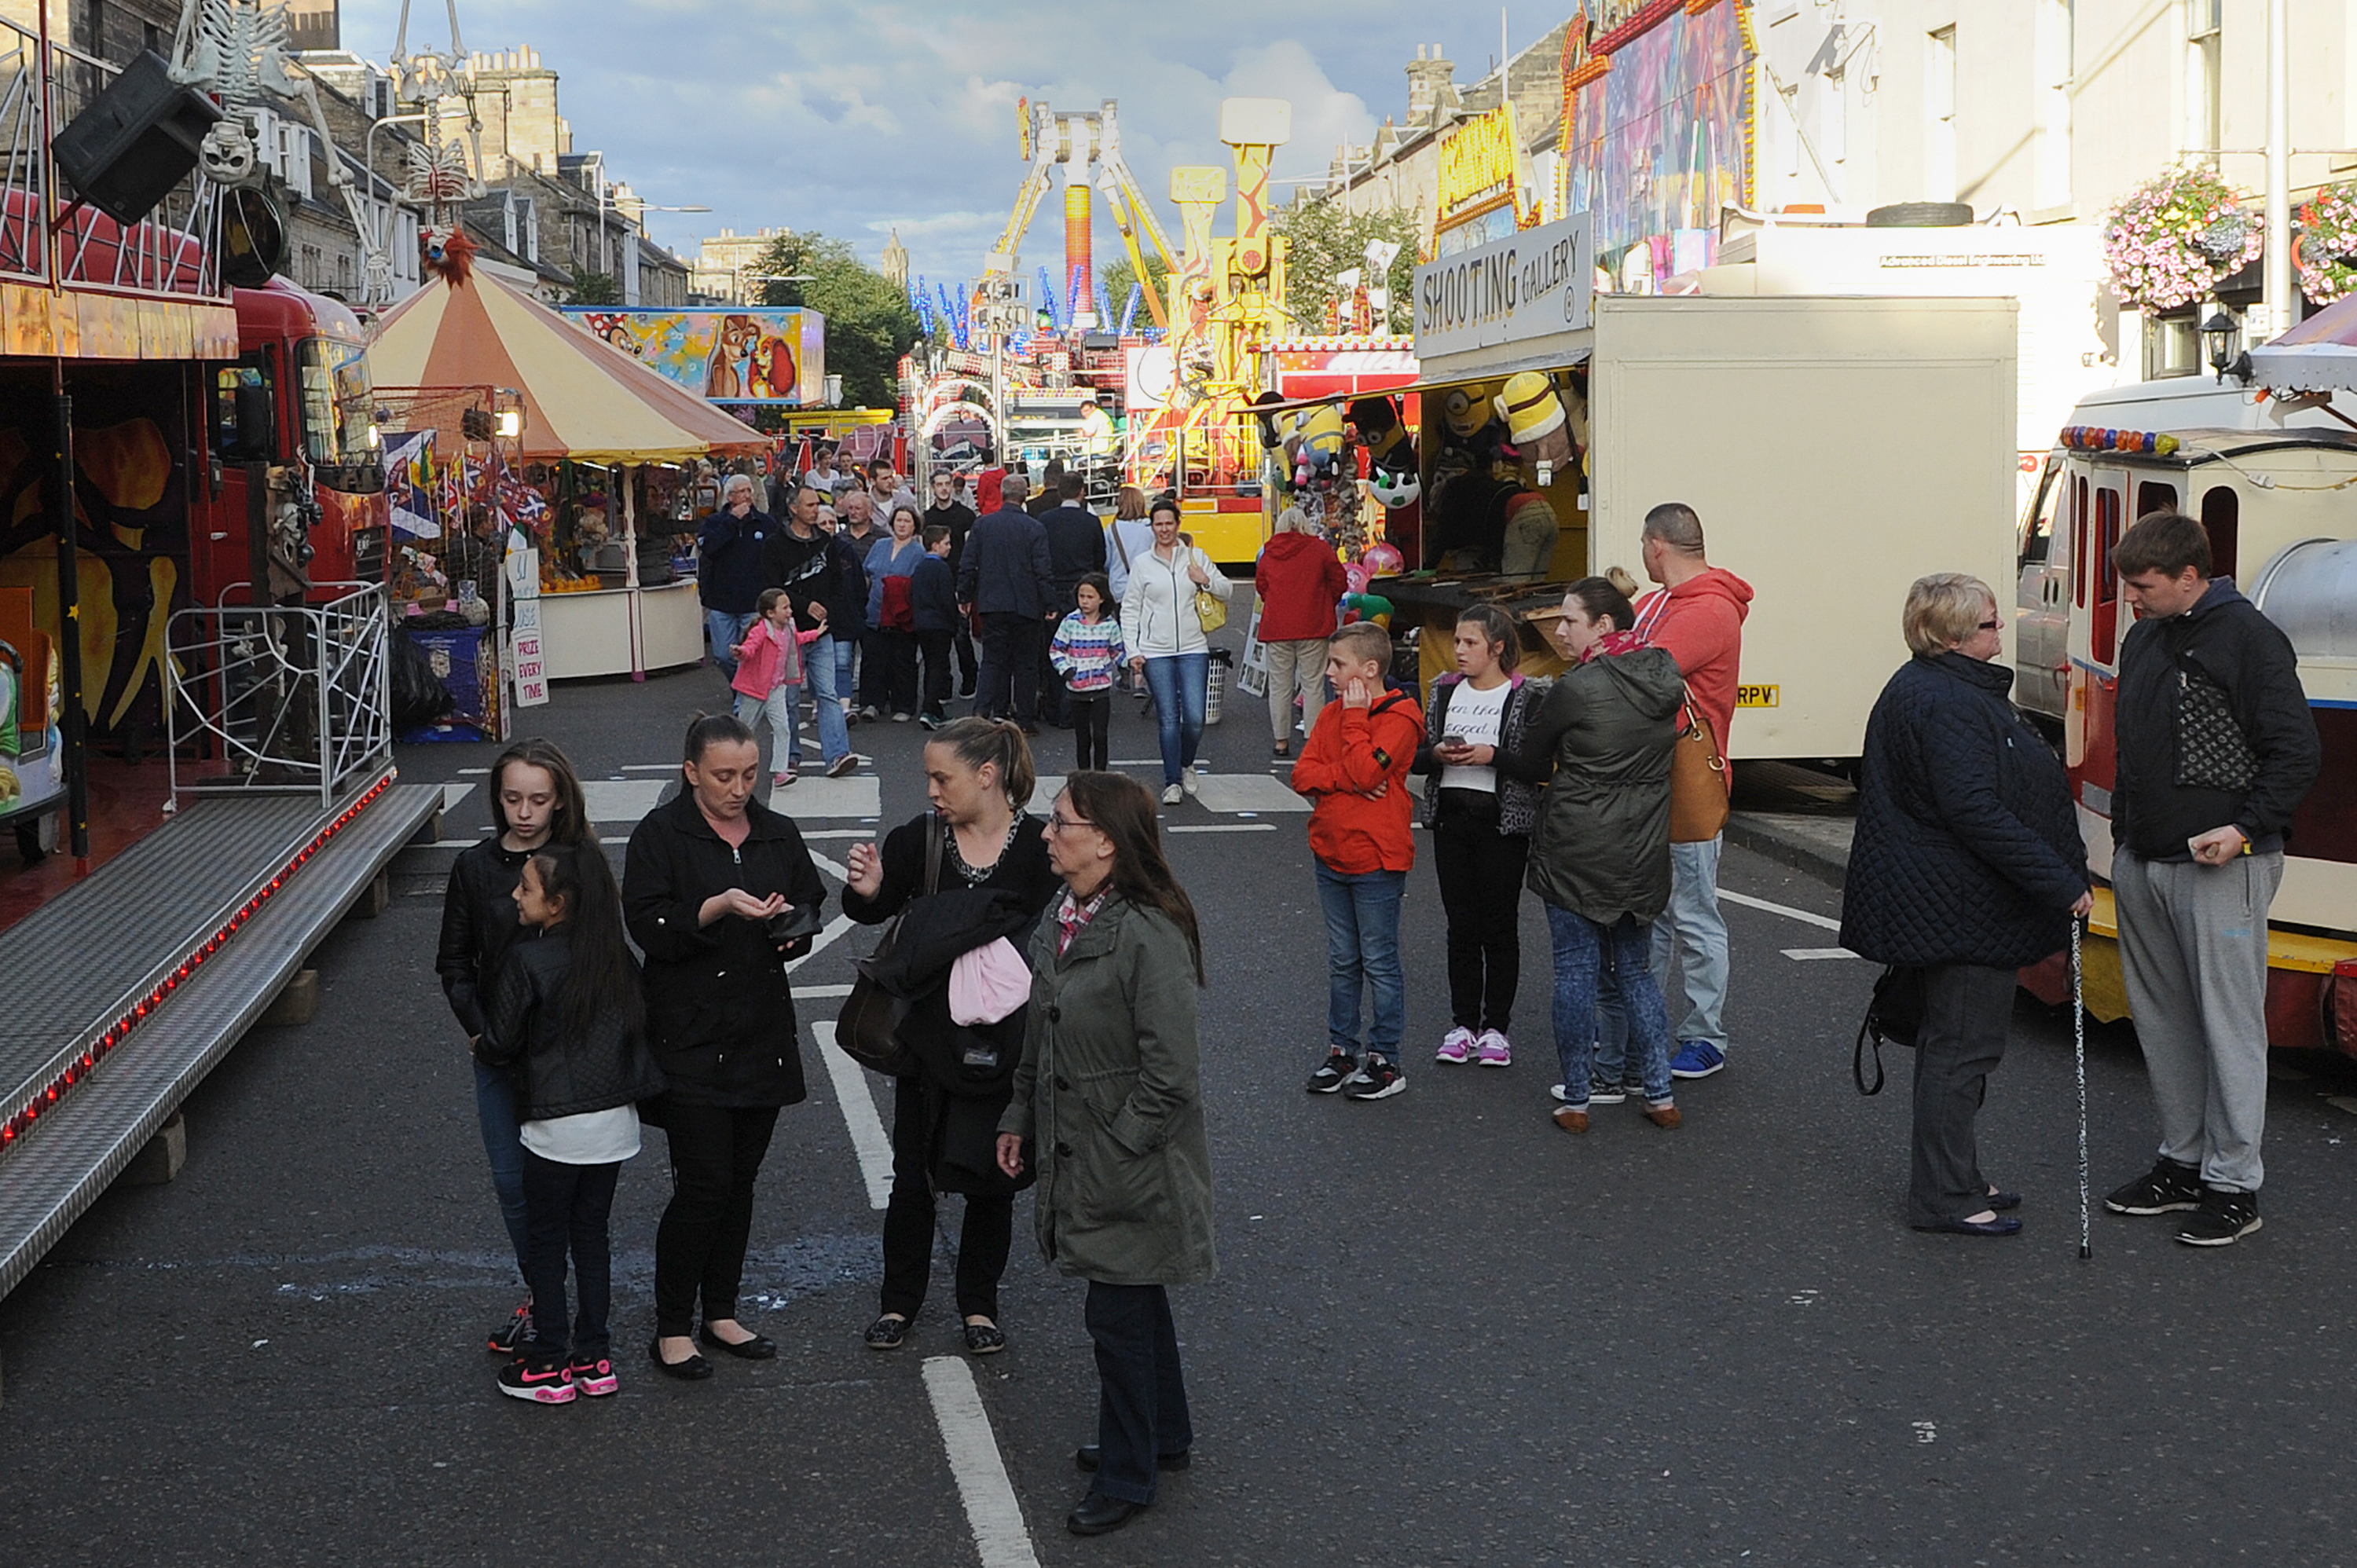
[1108, 1106]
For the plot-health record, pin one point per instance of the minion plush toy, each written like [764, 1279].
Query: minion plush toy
[1316, 442]
[1534, 420]
[1471, 431]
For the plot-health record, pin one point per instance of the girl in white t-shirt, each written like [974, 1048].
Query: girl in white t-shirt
[1481, 812]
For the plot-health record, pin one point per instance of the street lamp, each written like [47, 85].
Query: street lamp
[2224, 333]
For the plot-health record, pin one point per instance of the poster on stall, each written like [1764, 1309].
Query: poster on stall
[757, 356]
[523, 629]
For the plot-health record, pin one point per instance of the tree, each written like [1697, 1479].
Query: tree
[1322, 241]
[1120, 277]
[869, 322]
[595, 288]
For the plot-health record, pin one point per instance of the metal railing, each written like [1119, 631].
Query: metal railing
[170, 252]
[294, 698]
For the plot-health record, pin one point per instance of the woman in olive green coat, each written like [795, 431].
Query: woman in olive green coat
[1108, 1105]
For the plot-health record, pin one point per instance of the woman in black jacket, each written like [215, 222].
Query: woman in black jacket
[993, 880]
[1967, 862]
[712, 880]
[535, 802]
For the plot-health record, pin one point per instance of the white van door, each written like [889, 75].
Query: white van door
[2042, 610]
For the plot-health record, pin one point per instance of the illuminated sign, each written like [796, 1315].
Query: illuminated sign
[1480, 161]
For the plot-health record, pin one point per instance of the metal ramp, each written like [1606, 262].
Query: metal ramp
[128, 988]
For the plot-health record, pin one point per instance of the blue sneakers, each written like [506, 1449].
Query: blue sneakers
[1696, 1059]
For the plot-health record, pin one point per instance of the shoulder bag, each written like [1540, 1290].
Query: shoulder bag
[869, 1028]
[1209, 609]
[1698, 804]
[1894, 1017]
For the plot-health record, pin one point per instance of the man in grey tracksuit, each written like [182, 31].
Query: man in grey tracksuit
[2216, 752]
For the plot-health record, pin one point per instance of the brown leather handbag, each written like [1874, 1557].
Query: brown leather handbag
[1697, 782]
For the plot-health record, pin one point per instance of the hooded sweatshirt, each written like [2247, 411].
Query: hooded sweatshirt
[1300, 582]
[1700, 623]
[1350, 752]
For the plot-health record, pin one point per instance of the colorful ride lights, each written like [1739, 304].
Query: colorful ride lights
[2100, 439]
[119, 1030]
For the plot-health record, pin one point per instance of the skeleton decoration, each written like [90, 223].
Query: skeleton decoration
[227, 156]
[438, 173]
[236, 50]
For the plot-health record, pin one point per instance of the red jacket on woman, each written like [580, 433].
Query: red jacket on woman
[1300, 584]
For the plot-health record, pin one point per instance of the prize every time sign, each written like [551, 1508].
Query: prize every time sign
[1531, 285]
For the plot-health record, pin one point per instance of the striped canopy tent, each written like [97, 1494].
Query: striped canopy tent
[583, 399]
[2320, 355]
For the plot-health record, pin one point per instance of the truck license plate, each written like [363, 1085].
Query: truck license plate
[1756, 696]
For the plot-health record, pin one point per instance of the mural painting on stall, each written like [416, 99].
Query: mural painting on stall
[767, 356]
[131, 512]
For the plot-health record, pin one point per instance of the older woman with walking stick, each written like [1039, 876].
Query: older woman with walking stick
[1967, 864]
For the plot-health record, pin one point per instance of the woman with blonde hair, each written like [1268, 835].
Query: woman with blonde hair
[1300, 583]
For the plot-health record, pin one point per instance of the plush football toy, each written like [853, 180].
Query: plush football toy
[1534, 419]
[1394, 490]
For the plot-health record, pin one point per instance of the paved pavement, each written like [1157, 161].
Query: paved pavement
[1443, 1333]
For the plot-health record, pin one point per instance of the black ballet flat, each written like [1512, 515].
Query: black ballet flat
[757, 1348]
[2001, 1226]
[694, 1369]
[984, 1339]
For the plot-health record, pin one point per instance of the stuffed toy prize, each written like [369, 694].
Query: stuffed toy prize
[1534, 419]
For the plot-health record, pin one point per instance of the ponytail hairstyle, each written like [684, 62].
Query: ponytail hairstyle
[1120, 807]
[602, 980]
[1601, 598]
[706, 731]
[977, 741]
[570, 823]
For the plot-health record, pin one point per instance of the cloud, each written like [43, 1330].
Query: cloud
[853, 119]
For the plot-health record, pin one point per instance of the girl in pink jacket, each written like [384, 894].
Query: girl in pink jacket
[768, 682]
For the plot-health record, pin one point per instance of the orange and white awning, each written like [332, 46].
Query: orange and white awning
[583, 399]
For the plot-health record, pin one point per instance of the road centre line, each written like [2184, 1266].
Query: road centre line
[996, 1519]
[1219, 828]
[1784, 909]
[1804, 955]
[850, 1092]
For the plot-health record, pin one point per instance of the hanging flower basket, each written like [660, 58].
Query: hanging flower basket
[2173, 239]
[2327, 248]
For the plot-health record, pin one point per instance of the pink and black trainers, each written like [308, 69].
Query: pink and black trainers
[548, 1382]
[595, 1379]
[1457, 1046]
[1494, 1049]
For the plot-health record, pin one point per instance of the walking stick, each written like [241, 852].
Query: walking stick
[2079, 1055]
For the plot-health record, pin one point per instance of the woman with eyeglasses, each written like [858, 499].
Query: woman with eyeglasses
[1967, 864]
[1108, 1113]
[988, 880]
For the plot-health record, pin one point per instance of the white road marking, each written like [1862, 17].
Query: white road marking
[454, 793]
[473, 772]
[996, 1519]
[651, 767]
[1246, 792]
[867, 1140]
[1805, 954]
[823, 940]
[1784, 909]
[817, 992]
[621, 799]
[1219, 827]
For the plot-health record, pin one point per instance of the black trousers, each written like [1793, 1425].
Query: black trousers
[715, 1156]
[568, 1205]
[894, 657]
[935, 648]
[1010, 668]
[967, 668]
[1141, 1390]
[1481, 871]
[983, 1243]
[1092, 717]
[872, 662]
[1965, 1010]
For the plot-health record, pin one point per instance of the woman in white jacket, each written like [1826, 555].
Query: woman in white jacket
[1166, 640]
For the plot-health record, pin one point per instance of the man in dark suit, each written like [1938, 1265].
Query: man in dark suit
[1004, 577]
[1076, 545]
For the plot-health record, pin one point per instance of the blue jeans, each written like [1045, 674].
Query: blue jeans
[1584, 954]
[726, 629]
[828, 665]
[1181, 684]
[1363, 918]
[495, 1108]
[1694, 931]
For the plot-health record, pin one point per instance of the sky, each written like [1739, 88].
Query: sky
[856, 117]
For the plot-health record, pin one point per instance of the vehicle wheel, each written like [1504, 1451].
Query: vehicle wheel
[1921, 215]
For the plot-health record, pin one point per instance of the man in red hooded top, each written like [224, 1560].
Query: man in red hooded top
[1696, 616]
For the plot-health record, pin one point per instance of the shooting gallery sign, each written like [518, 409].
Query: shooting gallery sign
[1532, 285]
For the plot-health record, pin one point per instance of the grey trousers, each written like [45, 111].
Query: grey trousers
[1965, 1009]
[2193, 945]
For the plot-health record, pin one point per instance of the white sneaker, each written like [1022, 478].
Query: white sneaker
[1186, 781]
[1457, 1046]
[1494, 1049]
[1173, 795]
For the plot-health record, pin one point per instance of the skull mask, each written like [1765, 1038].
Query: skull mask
[227, 154]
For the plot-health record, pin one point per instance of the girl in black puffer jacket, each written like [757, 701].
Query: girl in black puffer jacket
[568, 1017]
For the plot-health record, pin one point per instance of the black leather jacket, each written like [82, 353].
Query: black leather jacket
[478, 925]
[561, 1074]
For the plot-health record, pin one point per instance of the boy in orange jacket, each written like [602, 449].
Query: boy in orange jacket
[1354, 767]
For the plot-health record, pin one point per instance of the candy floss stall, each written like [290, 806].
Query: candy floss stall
[599, 424]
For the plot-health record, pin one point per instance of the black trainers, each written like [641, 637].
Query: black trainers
[1338, 1070]
[2224, 1217]
[2165, 1188]
[1603, 1092]
[509, 1336]
[1379, 1080]
[543, 1382]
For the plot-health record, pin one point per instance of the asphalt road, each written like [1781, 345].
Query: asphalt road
[1443, 1333]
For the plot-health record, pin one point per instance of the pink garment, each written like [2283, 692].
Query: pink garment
[988, 983]
[769, 659]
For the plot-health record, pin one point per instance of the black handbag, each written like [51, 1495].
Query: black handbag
[1893, 1017]
[869, 1028]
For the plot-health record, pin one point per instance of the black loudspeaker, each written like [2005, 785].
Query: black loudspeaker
[136, 141]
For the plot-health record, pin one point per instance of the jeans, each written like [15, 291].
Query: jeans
[1480, 874]
[1010, 687]
[495, 1108]
[726, 629]
[1965, 1008]
[1362, 919]
[1694, 930]
[983, 1241]
[715, 1156]
[1141, 1388]
[1297, 666]
[1181, 684]
[570, 1204]
[935, 647]
[828, 663]
[781, 710]
[1092, 717]
[1584, 951]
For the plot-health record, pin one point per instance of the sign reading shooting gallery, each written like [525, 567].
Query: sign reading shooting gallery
[1529, 285]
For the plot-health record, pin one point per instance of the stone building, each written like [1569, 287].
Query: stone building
[723, 260]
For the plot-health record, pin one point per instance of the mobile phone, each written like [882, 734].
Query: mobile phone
[1452, 741]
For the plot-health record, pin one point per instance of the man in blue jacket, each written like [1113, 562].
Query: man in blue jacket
[1005, 577]
[728, 576]
[2216, 751]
